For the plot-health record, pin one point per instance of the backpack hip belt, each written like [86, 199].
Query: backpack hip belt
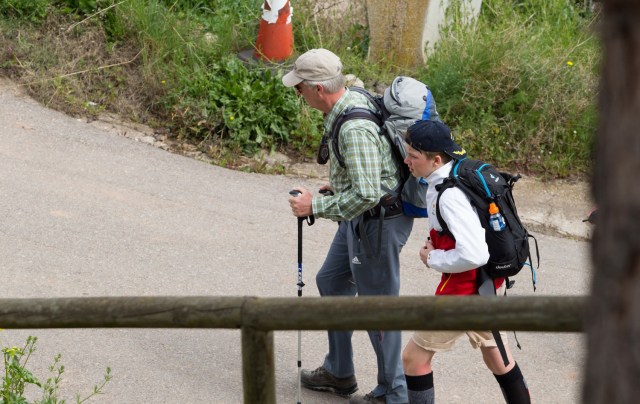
[388, 207]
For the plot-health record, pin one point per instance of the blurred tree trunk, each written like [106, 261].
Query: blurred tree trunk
[396, 29]
[400, 30]
[613, 322]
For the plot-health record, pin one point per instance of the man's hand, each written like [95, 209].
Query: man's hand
[301, 204]
[424, 252]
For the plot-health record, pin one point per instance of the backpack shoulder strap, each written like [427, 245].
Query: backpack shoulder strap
[376, 100]
[347, 115]
[448, 182]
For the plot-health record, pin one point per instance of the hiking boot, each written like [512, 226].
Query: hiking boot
[367, 398]
[321, 380]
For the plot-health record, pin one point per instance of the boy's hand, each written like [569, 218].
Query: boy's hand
[425, 251]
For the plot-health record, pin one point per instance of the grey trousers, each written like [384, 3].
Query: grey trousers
[349, 269]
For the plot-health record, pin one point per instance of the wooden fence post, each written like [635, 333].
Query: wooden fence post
[258, 368]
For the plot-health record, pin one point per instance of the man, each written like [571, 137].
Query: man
[430, 155]
[358, 261]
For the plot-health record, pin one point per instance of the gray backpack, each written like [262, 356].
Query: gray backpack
[404, 102]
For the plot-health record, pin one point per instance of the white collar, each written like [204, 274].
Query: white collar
[440, 174]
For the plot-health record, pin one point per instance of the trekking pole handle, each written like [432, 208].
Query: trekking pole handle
[310, 219]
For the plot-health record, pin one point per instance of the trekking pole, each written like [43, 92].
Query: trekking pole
[310, 220]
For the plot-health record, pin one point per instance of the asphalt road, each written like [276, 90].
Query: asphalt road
[86, 212]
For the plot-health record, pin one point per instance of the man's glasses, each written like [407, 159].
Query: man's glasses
[298, 88]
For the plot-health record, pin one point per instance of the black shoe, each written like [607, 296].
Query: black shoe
[321, 380]
[367, 398]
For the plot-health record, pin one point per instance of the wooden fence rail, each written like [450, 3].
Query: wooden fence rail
[259, 317]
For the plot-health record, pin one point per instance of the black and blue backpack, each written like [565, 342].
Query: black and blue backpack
[509, 250]
[508, 241]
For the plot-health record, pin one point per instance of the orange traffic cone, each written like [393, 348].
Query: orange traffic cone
[275, 36]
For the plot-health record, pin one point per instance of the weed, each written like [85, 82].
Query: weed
[16, 377]
[33, 11]
[81, 6]
[249, 108]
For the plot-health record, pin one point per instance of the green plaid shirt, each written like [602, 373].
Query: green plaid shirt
[368, 162]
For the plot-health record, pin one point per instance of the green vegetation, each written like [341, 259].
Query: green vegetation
[17, 376]
[521, 94]
[518, 88]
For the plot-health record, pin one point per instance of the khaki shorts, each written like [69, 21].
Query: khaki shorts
[440, 341]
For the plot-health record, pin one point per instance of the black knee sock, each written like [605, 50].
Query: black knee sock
[420, 389]
[513, 386]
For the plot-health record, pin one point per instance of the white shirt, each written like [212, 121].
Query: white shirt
[471, 250]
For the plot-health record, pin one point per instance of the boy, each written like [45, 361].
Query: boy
[430, 154]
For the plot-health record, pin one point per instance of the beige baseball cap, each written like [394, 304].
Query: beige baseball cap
[313, 65]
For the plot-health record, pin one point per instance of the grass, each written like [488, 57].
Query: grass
[529, 102]
[518, 88]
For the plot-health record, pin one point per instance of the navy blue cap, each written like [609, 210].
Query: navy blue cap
[434, 136]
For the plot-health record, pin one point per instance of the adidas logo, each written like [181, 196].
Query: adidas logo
[356, 261]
